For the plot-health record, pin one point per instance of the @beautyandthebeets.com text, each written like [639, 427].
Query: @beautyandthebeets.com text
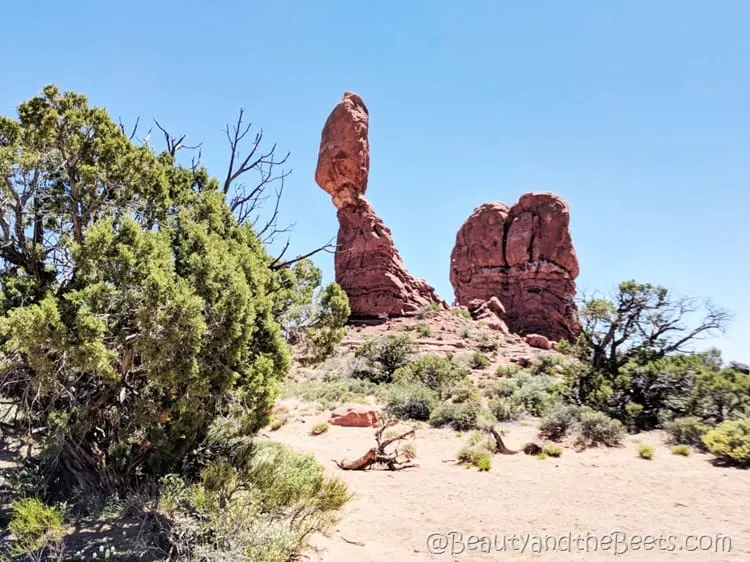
[618, 543]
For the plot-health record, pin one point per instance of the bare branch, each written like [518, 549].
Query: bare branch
[328, 247]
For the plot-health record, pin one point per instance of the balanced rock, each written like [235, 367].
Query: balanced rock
[368, 267]
[524, 256]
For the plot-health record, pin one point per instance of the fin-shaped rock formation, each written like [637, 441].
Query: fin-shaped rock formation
[368, 266]
[524, 256]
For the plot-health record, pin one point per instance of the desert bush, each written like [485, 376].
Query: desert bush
[319, 428]
[553, 450]
[461, 417]
[37, 530]
[462, 312]
[687, 431]
[260, 503]
[547, 365]
[331, 393]
[506, 409]
[597, 428]
[487, 343]
[721, 394]
[465, 332]
[730, 441]
[507, 370]
[559, 421]
[483, 462]
[379, 358]
[434, 371]
[646, 452]
[478, 360]
[682, 450]
[328, 327]
[424, 330]
[463, 391]
[535, 393]
[541, 456]
[412, 401]
[428, 310]
[140, 310]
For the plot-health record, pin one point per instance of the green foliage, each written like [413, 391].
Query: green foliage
[478, 360]
[260, 503]
[424, 330]
[541, 456]
[319, 428]
[428, 310]
[506, 409]
[721, 394]
[327, 330]
[682, 450]
[465, 332]
[730, 441]
[462, 312]
[463, 391]
[434, 371]
[461, 417]
[483, 462]
[379, 358]
[646, 452]
[136, 307]
[559, 421]
[487, 343]
[331, 393]
[596, 428]
[687, 431]
[35, 526]
[411, 401]
[507, 370]
[552, 450]
[534, 393]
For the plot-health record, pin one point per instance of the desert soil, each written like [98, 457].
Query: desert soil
[588, 494]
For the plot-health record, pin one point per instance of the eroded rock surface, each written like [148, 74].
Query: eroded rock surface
[368, 266]
[524, 256]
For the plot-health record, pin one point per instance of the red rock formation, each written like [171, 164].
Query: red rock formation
[355, 415]
[525, 257]
[368, 266]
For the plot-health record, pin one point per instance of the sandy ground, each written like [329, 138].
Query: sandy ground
[595, 499]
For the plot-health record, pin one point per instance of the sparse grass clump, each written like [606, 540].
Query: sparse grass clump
[483, 462]
[412, 401]
[465, 332]
[730, 441]
[682, 450]
[424, 330]
[478, 360]
[541, 456]
[507, 370]
[320, 428]
[646, 452]
[553, 450]
[475, 456]
[331, 393]
[487, 343]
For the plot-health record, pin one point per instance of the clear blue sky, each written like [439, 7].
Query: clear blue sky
[636, 112]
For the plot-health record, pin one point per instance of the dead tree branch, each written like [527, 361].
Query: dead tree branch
[396, 459]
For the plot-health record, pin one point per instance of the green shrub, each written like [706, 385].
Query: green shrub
[379, 358]
[463, 392]
[687, 431]
[327, 329]
[465, 332]
[646, 452]
[507, 370]
[558, 422]
[462, 312]
[35, 526]
[461, 417]
[434, 371]
[506, 409]
[466, 455]
[483, 462]
[683, 450]
[487, 343]
[411, 401]
[541, 456]
[597, 428]
[424, 330]
[478, 361]
[331, 393]
[553, 450]
[319, 428]
[730, 441]
[260, 503]
[535, 393]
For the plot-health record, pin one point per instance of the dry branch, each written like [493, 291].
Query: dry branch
[393, 460]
